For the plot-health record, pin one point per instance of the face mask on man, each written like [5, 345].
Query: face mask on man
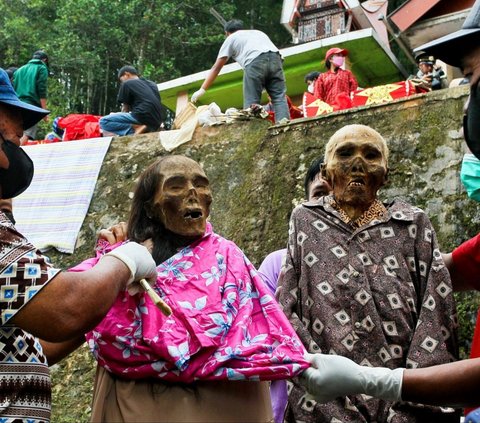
[471, 122]
[311, 88]
[470, 176]
[338, 61]
[18, 176]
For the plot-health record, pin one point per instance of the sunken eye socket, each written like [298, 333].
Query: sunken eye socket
[201, 183]
[178, 183]
[344, 153]
[371, 155]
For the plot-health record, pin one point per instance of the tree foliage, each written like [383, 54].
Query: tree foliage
[89, 40]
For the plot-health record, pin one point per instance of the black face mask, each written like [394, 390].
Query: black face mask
[471, 122]
[18, 176]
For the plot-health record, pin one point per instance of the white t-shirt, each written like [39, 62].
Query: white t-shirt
[245, 45]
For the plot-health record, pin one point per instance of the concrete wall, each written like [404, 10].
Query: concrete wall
[256, 171]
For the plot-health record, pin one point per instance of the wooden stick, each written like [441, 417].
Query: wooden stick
[162, 305]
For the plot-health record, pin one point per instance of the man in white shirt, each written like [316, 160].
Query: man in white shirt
[261, 63]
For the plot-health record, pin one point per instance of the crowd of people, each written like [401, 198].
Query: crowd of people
[141, 106]
[261, 62]
[142, 110]
[364, 326]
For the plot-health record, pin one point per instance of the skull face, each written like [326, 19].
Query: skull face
[182, 201]
[357, 166]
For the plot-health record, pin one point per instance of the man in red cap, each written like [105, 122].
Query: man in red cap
[336, 80]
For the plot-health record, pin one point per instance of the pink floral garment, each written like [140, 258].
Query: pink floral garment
[225, 323]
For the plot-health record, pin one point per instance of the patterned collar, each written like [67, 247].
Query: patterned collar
[397, 209]
[376, 211]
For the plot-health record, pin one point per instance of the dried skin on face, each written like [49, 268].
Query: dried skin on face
[182, 202]
[356, 168]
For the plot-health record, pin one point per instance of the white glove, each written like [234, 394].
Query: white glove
[197, 94]
[140, 262]
[333, 376]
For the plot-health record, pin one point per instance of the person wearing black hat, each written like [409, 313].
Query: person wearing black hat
[454, 384]
[429, 75]
[37, 300]
[30, 83]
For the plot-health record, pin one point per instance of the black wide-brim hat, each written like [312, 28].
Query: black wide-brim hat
[452, 47]
[31, 114]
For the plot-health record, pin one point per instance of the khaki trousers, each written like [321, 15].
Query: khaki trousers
[117, 400]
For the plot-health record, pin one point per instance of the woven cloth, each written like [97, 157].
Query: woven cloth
[51, 211]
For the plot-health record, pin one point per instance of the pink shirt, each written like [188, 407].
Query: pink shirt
[225, 325]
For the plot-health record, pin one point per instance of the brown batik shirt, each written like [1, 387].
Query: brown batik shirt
[25, 391]
[379, 295]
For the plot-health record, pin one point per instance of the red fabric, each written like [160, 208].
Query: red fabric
[383, 93]
[466, 258]
[80, 126]
[295, 112]
[342, 101]
[329, 84]
[313, 106]
[36, 142]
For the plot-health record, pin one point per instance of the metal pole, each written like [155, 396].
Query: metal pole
[397, 39]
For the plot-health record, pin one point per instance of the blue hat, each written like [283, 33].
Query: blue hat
[30, 114]
[452, 47]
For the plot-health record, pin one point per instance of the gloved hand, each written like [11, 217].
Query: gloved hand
[197, 94]
[333, 376]
[140, 262]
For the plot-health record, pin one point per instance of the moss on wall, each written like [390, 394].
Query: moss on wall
[257, 172]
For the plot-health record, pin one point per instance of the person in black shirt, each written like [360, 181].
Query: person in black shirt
[142, 110]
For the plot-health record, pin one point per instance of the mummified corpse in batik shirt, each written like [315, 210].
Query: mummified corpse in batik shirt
[379, 294]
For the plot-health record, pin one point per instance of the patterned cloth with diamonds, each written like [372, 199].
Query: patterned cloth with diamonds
[25, 391]
[379, 294]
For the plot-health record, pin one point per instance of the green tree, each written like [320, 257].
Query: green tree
[89, 40]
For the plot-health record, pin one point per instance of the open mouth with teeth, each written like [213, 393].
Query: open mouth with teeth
[193, 214]
[357, 183]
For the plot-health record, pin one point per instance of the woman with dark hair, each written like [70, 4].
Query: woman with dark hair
[225, 324]
[336, 81]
